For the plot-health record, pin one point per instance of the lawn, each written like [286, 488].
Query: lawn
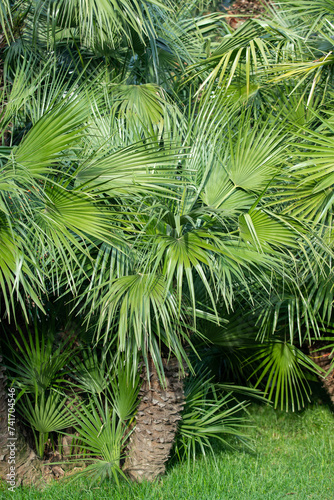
[292, 458]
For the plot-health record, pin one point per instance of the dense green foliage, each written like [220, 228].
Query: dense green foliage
[166, 189]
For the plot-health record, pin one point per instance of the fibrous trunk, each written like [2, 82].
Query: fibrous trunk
[323, 357]
[157, 418]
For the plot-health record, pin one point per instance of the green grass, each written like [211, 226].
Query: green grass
[293, 458]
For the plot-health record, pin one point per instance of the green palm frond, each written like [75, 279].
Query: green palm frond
[180, 255]
[312, 73]
[255, 154]
[209, 413]
[91, 372]
[232, 157]
[297, 107]
[6, 19]
[72, 211]
[300, 306]
[53, 133]
[246, 46]
[312, 172]
[17, 262]
[282, 366]
[97, 21]
[142, 103]
[264, 230]
[102, 436]
[124, 390]
[144, 312]
[296, 8]
[133, 169]
[306, 60]
[48, 414]
[35, 363]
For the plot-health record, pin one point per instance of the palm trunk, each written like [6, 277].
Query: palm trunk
[323, 358]
[15, 453]
[157, 418]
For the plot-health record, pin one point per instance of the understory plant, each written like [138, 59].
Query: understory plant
[92, 398]
[211, 413]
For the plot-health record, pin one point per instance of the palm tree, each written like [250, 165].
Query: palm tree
[152, 214]
[124, 30]
[137, 254]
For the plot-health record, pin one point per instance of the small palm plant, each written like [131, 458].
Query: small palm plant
[104, 420]
[211, 413]
[36, 364]
[102, 438]
[48, 413]
[37, 361]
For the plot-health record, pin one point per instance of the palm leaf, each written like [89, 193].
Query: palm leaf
[281, 365]
[49, 414]
[102, 437]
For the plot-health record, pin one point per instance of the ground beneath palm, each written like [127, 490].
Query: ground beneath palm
[247, 8]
